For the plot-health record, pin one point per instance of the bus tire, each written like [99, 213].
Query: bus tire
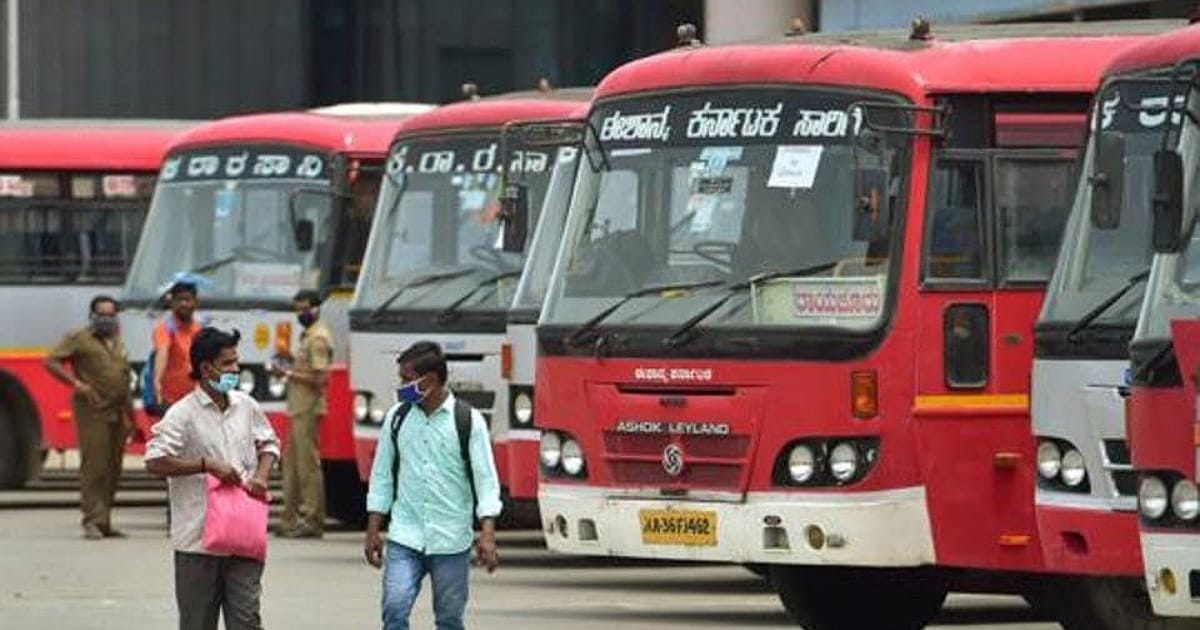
[345, 493]
[20, 436]
[761, 570]
[832, 598]
[1111, 603]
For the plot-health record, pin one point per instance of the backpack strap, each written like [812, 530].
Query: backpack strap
[398, 413]
[463, 423]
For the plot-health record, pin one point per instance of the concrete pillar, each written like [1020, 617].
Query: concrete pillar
[727, 21]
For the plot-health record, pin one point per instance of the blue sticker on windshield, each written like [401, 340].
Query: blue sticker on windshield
[224, 202]
[717, 158]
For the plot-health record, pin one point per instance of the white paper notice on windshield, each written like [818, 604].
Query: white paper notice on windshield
[276, 280]
[795, 166]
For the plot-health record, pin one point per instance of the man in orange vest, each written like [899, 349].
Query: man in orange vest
[172, 346]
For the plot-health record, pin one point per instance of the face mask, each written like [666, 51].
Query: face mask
[105, 324]
[410, 392]
[226, 383]
[307, 318]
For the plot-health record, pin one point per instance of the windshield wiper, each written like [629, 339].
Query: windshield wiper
[417, 282]
[451, 310]
[213, 265]
[683, 334]
[578, 334]
[1099, 309]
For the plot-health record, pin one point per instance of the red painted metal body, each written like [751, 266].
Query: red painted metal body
[971, 452]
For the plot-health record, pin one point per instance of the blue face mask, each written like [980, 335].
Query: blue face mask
[226, 383]
[410, 392]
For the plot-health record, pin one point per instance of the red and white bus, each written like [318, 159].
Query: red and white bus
[437, 268]
[1161, 417]
[1087, 486]
[520, 337]
[262, 206]
[791, 319]
[73, 196]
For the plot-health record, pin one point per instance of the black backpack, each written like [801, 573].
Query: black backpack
[462, 423]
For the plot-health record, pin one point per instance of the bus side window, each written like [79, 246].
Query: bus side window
[954, 237]
[1033, 200]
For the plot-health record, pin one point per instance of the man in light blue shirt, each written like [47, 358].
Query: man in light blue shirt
[428, 496]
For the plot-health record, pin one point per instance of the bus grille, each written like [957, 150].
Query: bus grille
[712, 462]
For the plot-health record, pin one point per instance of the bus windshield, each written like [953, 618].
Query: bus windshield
[718, 188]
[439, 216]
[1173, 289]
[237, 217]
[531, 290]
[1098, 259]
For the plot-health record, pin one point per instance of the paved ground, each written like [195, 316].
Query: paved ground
[49, 574]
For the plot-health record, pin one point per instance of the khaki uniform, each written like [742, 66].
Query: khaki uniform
[303, 482]
[104, 365]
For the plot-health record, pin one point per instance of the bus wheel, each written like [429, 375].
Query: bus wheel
[345, 494]
[1112, 604]
[831, 598]
[761, 570]
[20, 439]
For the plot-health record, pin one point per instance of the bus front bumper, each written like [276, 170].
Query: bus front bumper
[887, 528]
[1172, 564]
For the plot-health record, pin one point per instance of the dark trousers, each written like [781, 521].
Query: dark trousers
[207, 585]
[101, 446]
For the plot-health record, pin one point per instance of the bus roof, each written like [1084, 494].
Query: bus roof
[356, 129]
[1158, 52]
[87, 145]
[495, 111]
[955, 59]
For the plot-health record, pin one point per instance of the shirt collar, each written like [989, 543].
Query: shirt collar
[447, 404]
[207, 401]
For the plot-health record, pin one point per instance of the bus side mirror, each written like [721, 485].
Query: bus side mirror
[514, 212]
[1167, 203]
[1107, 180]
[872, 211]
[303, 231]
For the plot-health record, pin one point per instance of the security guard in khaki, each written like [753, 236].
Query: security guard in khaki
[303, 482]
[103, 409]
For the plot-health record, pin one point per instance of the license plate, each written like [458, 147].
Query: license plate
[678, 527]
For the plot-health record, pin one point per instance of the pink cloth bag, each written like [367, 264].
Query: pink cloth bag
[235, 523]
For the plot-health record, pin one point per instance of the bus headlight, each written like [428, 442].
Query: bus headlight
[802, 463]
[1073, 468]
[133, 382]
[843, 461]
[1152, 498]
[246, 381]
[277, 386]
[523, 408]
[1049, 459]
[550, 449]
[361, 407]
[377, 412]
[572, 457]
[1185, 500]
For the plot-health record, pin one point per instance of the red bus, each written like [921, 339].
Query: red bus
[520, 338]
[1087, 486]
[262, 206]
[1161, 416]
[73, 196]
[791, 319]
[437, 268]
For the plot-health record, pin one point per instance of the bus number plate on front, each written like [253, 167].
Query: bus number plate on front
[674, 527]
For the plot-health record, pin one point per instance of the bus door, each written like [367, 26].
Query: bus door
[992, 226]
